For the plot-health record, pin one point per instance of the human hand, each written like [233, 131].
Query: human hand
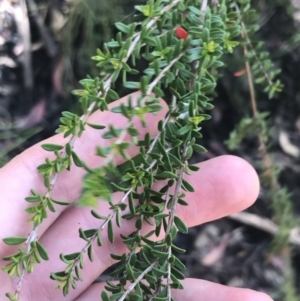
[223, 185]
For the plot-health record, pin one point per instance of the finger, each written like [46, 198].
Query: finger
[194, 290]
[224, 185]
[20, 175]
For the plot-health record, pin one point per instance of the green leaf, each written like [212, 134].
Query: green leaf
[195, 10]
[62, 203]
[182, 202]
[116, 296]
[97, 215]
[132, 85]
[11, 297]
[90, 233]
[15, 240]
[177, 273]
[180, 225]
[132, 131]
[169, 239]
[71, 256]
[160, 298]
[118, 188]
[199, 149]
[33, 199]
[122, 27]
[99, 239]
[193, 167]
[150, 279]
[138, 223]
[104, 296]
[115, 256]
[178, 263]
[76, 160]
[113, 95]
[129, 272]
[208, 87]
[118, 218]
[187, 186]
[43, 253]
[134, 297]
[177, 249]
[159, 254]
[96, 126]
[90, 253]
[169, 175]
[110, 231]
[52, 147]
[187, 128]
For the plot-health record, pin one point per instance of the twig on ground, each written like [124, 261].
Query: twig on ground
[21, 17]
[264, 224]
[50, 45]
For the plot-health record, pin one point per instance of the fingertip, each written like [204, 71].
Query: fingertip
[250, 295]
[245, 182]
[216, 292]
[223, 186]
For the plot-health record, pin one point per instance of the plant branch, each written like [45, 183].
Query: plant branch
[245, 35]
[138, 280]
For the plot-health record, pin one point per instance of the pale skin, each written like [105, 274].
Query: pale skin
[223, 185]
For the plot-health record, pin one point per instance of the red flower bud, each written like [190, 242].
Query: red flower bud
[181, 33]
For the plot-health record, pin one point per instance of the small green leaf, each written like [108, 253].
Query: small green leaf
[16, 240]
[169, 175]
[150, 279]
[195, 10]
[52, 147]
[193, 167]
[71, 256]
[90, 232]
[122, 27]
[132, 85]
[177, 273]
[104, 296]
[99, 239]
[182, 202]
[76, 160]
[132, 131]
[113, 95]
[90, 253]
[184, 130]
[160, 299]
[43, 253]
[134, 297]
[33, 199]
[138, 224]
[118, 218]
[180, 225]
[187, 186]
[118, 188]
[110, 231]
[177, 249]
[199, 149]
[62, 203]
[178, 263]
[96, 126]
[169, 239]
[11, 297]
[189, 152]
[129, 272]
[97, 215]
[159, 254]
